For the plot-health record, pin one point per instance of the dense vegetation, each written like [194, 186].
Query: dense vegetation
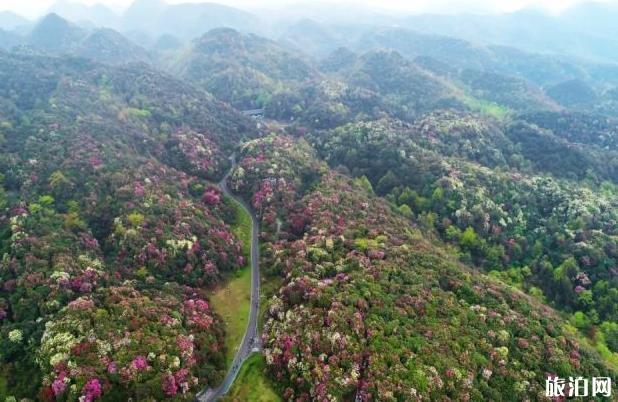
[111, 232]
[241, 69]
[496, 201]
[371, 308]
[442, 217]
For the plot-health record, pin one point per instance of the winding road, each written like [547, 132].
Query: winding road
[251, 341]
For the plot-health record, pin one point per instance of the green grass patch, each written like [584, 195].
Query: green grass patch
[232, 302]
[610, 358]
[139, 113]
[268, 288]
[232, 299]
[486, 108]
[242, 228]
[251, 384]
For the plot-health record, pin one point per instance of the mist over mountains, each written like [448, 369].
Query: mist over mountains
[586, 30]
[516, 62]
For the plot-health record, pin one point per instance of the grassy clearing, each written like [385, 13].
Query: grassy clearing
[268, 287]
[486, 108]
[252, 385]
[232, 300]
[610, 358]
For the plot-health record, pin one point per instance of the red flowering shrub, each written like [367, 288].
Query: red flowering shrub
[273, 172]
[173, 237]
[104, 232]
[91, 390]
[194, 153]
[125, 338]
[211, 196]
[369, 309]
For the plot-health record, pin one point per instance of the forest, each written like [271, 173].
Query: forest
[438, 218]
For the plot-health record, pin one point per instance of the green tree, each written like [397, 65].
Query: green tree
[469, 240]
[405, 210]
[364, 182]
[610, 332]
[387, 182]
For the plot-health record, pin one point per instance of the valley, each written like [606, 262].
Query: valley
[344, 205]
[250, 341]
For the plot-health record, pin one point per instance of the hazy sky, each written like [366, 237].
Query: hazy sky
[33, 8]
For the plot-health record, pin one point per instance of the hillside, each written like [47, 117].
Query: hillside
[407, 216]
[538, 69]
[54, 35]
[371, 307]
[9, 20]
[109, 238]
[400, 81]
[496, 200]
[243, 70]
[108, 46]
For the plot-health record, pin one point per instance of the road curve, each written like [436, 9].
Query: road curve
[251, 341]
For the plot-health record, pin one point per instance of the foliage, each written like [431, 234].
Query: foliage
[251, 384]
[563, 231]
[108, 246]
[369, 307]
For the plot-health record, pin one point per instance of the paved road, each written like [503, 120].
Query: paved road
[251, 340]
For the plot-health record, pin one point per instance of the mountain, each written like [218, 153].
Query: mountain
[514, 93]
[340, 13]
[435, 218]
[140, 38]
[531, 69]
[115, 149]
[185, 20]
[8, 40]
[399, 80]
[55, 34]
[585, 31]
[141, 14]
[426, 261]
[192, 20]
[597, 18]
[457, 53]
[243, 69]
[420, 88]
[572, 93]
[167, 42]
[9, 20]
[338, 60]
[310, 37]
[96, 14]
[371, 299]
[108, 46]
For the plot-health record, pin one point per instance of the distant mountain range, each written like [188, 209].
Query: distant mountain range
[9, 20]
[587, 31]
[246, 69]
[97, 14]
[56, 36]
